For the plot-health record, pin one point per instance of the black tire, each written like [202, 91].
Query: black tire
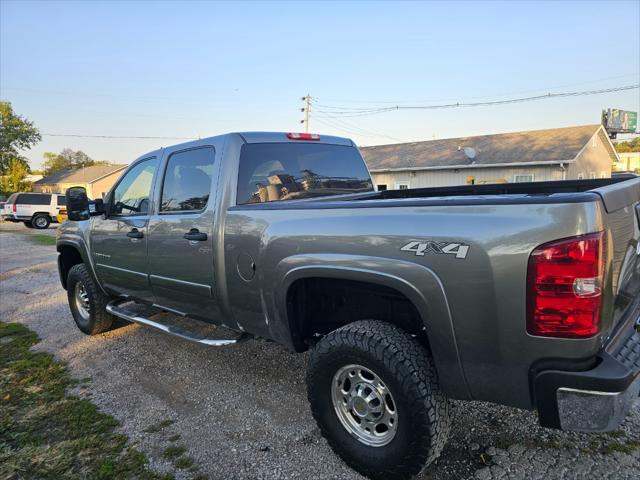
[28, 224]
[404, 366]
[98, 320]
[40, 221]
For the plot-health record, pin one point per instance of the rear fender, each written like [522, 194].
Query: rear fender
[418, 283]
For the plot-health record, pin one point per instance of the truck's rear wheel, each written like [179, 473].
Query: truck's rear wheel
[87, 302]
[376, 398]
[28, 224]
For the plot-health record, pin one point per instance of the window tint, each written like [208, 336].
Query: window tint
[131, 196]
[187, 180]
[12, 198]
[62, 200]
[33, 199]
[289, 171]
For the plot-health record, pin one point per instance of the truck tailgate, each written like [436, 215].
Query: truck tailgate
[620, 195]
[622, 218]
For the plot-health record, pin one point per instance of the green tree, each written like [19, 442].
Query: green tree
[67, 159]
[629, 146]
[15, 178]
[16, 134]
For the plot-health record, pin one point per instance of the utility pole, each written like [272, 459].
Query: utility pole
[305, 109]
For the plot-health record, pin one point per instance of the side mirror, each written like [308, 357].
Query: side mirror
[97, 207]
[77, 204]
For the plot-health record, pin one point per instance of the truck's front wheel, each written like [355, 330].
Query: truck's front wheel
[87, 302]
[375, 396]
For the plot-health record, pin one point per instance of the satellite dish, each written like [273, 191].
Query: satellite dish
[470, 152]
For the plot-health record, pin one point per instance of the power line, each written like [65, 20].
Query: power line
[115, 136]
[375, 111]
[344, 126]
[517, 92]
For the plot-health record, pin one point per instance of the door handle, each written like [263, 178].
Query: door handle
[135, 233]
[194, 235]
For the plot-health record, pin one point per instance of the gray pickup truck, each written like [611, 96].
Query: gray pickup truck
[525, 295]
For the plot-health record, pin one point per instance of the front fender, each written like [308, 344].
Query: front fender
[418, 283]
[79, 245]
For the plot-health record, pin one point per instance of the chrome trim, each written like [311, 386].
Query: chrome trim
[594, 411]
[114, 309]
[364, 405]
[169, 309]
[81, 299]
[182, 285]
[110, 267]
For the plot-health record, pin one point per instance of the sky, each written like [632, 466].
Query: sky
[197, 69]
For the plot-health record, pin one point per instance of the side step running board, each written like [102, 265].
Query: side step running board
[113, 308]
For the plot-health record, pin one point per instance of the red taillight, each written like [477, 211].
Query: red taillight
[14, 208]
[303, 136]
[564, 287]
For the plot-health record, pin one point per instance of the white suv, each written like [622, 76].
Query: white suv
[36, 210]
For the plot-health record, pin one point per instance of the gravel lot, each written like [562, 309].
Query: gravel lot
[241, 412]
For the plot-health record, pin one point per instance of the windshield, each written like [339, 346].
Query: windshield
[289, 171]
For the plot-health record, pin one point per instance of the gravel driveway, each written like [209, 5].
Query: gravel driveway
[241, 412]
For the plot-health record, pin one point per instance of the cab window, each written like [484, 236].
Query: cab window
[131, 195]
[187, 180]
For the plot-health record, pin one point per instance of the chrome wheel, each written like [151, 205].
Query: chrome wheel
[364, 405]
[40, 222]
[82, 301]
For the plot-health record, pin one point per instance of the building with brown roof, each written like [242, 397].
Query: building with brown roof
[540, 155]
[97, 179]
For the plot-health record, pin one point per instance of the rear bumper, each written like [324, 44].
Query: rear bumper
[596, 400]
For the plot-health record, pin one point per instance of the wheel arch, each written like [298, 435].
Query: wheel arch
[417, 284]
[71, 253]
[41, 213]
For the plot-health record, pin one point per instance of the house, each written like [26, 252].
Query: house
[539, 155]
[628, 162]
[97, 179]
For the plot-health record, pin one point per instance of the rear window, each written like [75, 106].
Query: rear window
[33, 199]
[289, 171]
[12, 198]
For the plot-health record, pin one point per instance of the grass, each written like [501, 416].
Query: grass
[46, 433]
[155, 428]
[39, 238]
[171, 453]
[42, 239]
[183, 462]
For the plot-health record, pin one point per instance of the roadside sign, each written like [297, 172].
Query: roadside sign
[619, 121]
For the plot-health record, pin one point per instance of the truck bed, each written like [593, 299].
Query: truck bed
[528, 188]
[609, 190]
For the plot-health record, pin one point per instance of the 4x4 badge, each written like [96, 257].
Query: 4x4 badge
[460, 250]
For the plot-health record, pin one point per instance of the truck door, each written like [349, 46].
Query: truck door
[119, 239]
[181, 261]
